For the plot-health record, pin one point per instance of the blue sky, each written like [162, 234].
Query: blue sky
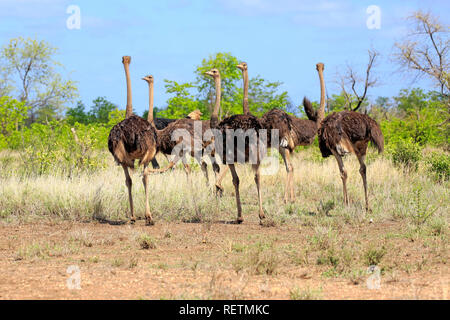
[280, 40]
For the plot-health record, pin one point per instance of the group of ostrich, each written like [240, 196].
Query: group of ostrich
[138, 139]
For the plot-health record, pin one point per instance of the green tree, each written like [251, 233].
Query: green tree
[229, 74]
[12, 116]
[182, 103]
[33, 77]
[263, 95]
[101, 109]
[77, 114]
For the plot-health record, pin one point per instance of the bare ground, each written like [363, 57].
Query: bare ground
[210, 261]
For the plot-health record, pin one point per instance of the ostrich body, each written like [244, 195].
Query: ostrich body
[131, 139]
[348, 132]
[295, 132]
[242, 122]
[166, 145]
[161, 123]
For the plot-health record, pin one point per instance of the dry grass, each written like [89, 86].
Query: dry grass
[103, 195]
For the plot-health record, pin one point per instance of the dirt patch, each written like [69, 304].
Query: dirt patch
[210, 261]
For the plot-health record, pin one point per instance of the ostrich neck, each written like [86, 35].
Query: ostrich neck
[245, 102]
[321, 111]
[129, 108]
[214, 116]
[150, 103]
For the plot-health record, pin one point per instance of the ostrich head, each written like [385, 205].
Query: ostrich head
[214, 73]
[320, 66]
[126, 59]
[149, 79]
[242, 66]
[195, 115]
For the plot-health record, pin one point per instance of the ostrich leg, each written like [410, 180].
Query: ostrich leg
[129, 184]
[204, 167]
[255, 168]
[285, 153]
[155, 164]
[343, 175]
[236, 189]
[148, 215]
[362, 171]
[220, 176]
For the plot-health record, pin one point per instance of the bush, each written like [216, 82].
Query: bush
[439, 166]
[407, 154]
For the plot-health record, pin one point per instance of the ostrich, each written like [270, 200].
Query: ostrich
[349, 132]
[240, 125]
[131, 139]
[161, 123]
[166, 144]
[293, 132]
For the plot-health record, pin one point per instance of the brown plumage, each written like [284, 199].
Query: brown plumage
[131, 139]
[349, 132]
[193, 144]
[293, 132]
[244, 123]
[348, 126]
[161, 123]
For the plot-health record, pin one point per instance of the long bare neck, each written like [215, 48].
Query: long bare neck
[245, 102]
[214, 115]
[150, 102]
[129, 108]
[321, 112]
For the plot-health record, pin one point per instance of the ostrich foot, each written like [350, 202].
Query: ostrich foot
[219, 191]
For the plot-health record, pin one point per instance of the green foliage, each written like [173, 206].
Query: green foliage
[439, 166]
[98, 113]
[12, 116]
[42, 146]
[31, 76]
[230, 76]
[419, 116]
[423, 210]
[407, 154]
[263, 96]
[182, 103]
[372, 256]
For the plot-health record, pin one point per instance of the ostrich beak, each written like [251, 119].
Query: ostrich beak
[208, 73]
[240, 66]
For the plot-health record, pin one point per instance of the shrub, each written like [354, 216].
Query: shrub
[373, 255]
[407, 154]
[439, 166]
[146, 242]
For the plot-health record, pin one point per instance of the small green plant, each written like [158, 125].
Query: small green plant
[117, 262]
[407, 154]
[373, 255]
[133, 262]
[305, 294]
[422, 208]
[259, 259]
[439, 166]
[325, 208]
[146, 242]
